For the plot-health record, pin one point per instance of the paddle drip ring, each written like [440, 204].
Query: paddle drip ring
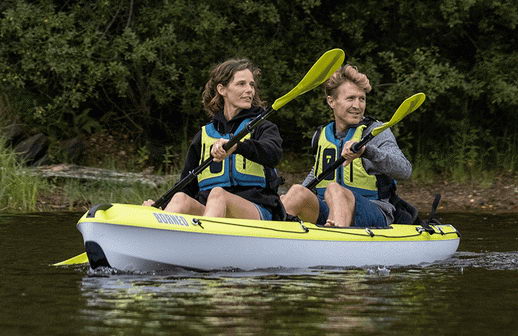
[196, 222]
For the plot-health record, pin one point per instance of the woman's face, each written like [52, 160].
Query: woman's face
[239, 93]
[348, 105]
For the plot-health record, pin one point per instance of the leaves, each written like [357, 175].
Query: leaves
[140, 67]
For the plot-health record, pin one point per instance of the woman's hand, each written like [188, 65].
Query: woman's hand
[149, 202]
[348, 154]
[217, 151]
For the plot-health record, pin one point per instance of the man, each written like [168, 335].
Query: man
[356, 194]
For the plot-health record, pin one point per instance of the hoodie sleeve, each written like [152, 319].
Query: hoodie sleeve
[191, 162]
[383, 156]
[264, 146]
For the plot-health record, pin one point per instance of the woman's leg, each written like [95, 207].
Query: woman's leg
[183, 203]
[222, 203]
[301, 202]
[341, 204]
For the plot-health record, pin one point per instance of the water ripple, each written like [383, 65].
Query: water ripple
[486, 260]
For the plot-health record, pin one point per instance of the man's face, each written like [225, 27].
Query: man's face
[348, 105]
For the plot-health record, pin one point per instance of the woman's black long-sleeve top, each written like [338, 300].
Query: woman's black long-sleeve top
[263, 147]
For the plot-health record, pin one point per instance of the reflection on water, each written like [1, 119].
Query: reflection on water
[472, 293]
[247, 302]
[296, 301]
[242, 303]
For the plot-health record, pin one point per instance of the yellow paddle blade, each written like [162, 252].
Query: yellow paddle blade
[324, 67]
[78, 259]
[408, 106]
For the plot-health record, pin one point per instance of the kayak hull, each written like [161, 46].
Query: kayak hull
[135, 238]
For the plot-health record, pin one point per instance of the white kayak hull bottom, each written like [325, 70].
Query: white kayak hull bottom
[134, 248]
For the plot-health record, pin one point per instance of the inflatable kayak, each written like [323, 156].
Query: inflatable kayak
[139, 238]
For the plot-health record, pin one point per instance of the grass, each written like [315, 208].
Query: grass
[19, 190]
[22, 192]
[424, 173]
[472, 158]
[474, 171]
[83, 194]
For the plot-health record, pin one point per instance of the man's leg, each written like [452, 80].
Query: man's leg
[301, 202]
[341, 204]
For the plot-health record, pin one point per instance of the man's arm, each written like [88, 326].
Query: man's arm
[383, 156]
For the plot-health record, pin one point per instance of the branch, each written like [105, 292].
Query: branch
[130, 14]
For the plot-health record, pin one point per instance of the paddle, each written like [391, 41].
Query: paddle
[324, 67]
[78, 259]
[408, 106]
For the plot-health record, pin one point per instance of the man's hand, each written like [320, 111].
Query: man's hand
[348, 154]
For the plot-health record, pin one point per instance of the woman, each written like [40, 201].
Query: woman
[239, 183]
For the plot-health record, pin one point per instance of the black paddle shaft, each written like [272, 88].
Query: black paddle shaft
[355, 148]
[180, 185]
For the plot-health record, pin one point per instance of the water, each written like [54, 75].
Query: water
[473, 293]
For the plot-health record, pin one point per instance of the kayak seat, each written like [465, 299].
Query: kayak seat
[405, 212]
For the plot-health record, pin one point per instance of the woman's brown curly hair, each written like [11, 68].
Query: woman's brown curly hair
[223, 74]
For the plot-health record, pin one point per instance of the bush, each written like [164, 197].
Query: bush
[89, 67]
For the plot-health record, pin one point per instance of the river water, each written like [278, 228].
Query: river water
[473, 293]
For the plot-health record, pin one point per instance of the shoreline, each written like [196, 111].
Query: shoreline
[499, 197]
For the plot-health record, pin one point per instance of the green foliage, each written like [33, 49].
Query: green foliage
[142, 156]
[170, 161]
[86, 67]
[466, 155]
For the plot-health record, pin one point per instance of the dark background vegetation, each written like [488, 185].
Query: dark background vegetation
[124, 78]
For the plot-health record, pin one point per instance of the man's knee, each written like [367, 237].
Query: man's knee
[217, 193]
[297, 192]
[296, 189]
[336, 190]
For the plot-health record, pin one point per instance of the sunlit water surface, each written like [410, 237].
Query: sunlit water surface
[473, 293]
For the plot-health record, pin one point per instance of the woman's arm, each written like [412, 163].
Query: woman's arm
[264, 146]
[192, 161]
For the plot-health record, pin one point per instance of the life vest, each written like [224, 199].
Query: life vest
[354, 177]
[235, 170]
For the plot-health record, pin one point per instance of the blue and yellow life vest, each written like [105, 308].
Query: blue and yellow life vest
[354, 176]
[235, 170]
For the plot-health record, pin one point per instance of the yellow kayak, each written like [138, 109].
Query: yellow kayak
[138, 238]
